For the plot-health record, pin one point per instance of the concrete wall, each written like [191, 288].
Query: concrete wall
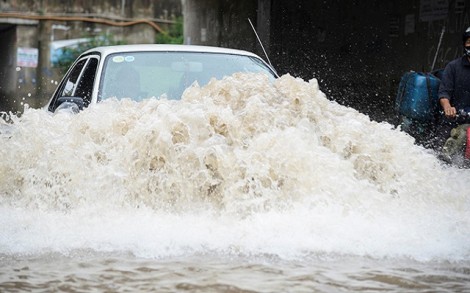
[167, 9]
[220, 23]
[357, 49]
[347, 45]
[360, 49]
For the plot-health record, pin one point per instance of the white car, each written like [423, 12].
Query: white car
[143, 71]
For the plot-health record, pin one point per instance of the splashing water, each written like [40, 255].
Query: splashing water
[242, 165]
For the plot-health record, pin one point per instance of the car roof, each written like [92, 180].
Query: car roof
[106, 50]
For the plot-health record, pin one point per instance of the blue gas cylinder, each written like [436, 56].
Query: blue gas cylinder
[417, 96]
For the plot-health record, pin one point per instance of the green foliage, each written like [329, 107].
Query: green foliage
[174, 34]
[69, 54]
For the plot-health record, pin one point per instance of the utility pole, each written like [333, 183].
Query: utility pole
[263, 25]
[44, 32]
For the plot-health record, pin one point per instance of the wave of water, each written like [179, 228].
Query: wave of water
[240, 166]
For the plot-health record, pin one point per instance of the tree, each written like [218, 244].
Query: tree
[174, 34]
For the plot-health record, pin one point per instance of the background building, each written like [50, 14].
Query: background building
[35, 35]
[357, 49]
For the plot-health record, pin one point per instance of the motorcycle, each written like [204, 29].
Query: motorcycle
[418, 112]
[456, 150]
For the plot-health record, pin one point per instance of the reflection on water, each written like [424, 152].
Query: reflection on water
[241, 185]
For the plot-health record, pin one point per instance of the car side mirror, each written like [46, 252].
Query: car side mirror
[73, 104]
[76, 100]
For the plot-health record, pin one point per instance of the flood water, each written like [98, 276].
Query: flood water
[242, 186]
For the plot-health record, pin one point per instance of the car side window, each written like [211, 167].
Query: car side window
[68, 85]
[72, 81]
[84, 87]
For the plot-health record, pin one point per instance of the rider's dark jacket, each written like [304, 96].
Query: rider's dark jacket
[455, 83]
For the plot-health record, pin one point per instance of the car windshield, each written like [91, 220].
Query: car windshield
[140, 75]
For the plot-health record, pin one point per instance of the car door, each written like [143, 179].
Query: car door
[78, 82]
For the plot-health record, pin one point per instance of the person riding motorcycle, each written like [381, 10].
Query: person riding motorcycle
[454, 92]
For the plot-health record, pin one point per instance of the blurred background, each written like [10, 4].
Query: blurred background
[357, 49]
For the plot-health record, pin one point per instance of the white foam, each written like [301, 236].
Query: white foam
[238, 166]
